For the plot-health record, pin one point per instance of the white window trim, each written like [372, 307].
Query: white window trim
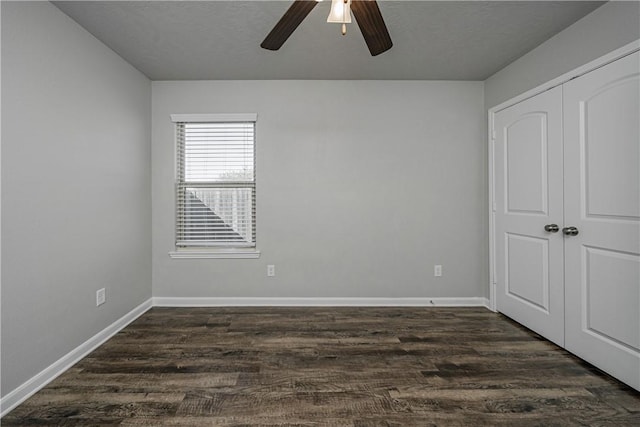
[199, 118]
[215, 253]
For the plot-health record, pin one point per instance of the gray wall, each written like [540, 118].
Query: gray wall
[75, 188]
[607, 28]
[362, 187]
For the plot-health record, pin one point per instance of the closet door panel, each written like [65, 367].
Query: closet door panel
[528, 196]
[602, 200]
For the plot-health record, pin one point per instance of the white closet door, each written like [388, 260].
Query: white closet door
[528, 197]
[602, 200]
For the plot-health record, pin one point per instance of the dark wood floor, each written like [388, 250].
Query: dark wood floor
[329, 367]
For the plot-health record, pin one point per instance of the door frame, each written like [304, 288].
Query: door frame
[625, 50]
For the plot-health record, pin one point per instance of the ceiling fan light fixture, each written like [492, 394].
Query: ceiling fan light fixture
[366, 12]
[340, 12]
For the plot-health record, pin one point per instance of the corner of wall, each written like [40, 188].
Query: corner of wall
[607, 28]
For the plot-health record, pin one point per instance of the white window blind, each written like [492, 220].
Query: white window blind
[215, 187]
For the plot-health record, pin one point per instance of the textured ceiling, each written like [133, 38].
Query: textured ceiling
[210, 40]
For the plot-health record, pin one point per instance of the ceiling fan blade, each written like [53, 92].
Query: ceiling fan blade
[372, 25]
[288, 23]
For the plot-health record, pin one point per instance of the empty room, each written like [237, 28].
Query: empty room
[320, 213]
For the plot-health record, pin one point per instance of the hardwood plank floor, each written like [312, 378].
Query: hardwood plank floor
[329, 367]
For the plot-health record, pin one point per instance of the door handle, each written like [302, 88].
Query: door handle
[570, 231]
[551, 228]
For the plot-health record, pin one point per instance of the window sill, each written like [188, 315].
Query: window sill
[215, 253]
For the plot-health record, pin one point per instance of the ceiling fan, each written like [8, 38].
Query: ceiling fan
[366, 12]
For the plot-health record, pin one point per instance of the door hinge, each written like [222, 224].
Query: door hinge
[494, 206]
[493, 135]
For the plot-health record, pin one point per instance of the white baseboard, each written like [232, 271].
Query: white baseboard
[27, 389]
[319, 302]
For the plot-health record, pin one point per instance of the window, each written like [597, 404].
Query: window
[215, 182]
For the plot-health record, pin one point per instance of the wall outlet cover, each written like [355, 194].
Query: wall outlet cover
[437, 270]
[101, 297]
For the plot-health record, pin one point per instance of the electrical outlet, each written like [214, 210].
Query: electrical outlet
[437, 270]
[271, 270]
[101, 297]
